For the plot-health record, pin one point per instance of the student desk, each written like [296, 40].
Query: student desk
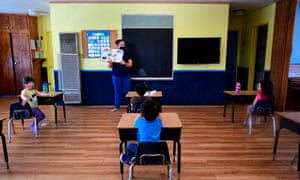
[52, 99]
[3, 143]
[290, 121]
[171, 131]
[156, 95]
[232, 97]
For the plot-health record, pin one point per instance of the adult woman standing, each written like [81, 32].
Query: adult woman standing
[121, 74]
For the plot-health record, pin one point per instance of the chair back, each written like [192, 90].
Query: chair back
[136, 107]
[20, 112]
[264, 107]
[152, 153]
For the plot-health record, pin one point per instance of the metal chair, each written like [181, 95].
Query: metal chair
[19, 112]
[263, 108]
[152, 153]
[4, 143]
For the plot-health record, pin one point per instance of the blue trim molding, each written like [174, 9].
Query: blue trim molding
[186, 88]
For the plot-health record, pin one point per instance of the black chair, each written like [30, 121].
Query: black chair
[152, 153]
[19, 112]
[263, 108]
[4, 144]
[136, 108]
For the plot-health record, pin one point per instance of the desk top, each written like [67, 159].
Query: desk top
[169, 120]
[51, 94]
[2, 118]
[158, 94]
[242, 93]
[293, 116]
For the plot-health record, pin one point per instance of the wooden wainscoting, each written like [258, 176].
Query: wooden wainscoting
[86, 147]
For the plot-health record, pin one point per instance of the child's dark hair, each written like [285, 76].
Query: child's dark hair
[141, 89]
[150, 109]
[117, 42]
[267, 87]
[28, 79]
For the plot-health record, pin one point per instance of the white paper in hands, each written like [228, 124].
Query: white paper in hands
[113, 55]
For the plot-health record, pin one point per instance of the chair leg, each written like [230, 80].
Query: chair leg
[130, 173]
[274, 125]
[13, 127]
[9, 129]
[266, 122]
[170, 171]
[22, 121]
[250, 124]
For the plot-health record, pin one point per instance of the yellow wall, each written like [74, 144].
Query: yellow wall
[44, 29]
[251, 21]
[190, 20]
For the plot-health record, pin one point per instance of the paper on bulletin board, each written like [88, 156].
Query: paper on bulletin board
[114, 55]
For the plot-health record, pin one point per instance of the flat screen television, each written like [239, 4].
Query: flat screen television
[198, 50]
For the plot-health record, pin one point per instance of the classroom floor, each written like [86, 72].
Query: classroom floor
[86, 147]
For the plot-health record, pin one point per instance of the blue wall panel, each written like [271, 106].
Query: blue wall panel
[295, 57]
[187, 88]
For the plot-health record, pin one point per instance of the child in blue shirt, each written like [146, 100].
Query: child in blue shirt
[149, 127]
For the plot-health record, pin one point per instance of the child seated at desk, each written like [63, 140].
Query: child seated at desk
[29, 95]
[149, 127]
[264, 94]
[136, 101]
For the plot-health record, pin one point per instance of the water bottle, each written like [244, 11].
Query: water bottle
[238, 87]
[45, 87]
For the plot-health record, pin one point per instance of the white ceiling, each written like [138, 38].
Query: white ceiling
[22, 6]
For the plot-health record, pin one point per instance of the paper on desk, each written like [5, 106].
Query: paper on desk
[149, 93]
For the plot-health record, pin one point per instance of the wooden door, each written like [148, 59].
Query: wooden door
[22, 57]
[18, 23]
[7, 80]
[4, 23]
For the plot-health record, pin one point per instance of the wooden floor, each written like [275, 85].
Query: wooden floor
[86, 147]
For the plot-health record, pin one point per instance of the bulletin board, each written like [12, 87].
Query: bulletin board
[94, 40]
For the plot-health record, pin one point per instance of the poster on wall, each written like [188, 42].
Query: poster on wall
[113, 55]
[96, 41]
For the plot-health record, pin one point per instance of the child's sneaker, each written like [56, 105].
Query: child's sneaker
[45, 123]
[123, 159]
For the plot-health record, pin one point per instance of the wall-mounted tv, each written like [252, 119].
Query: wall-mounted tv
[198, 50]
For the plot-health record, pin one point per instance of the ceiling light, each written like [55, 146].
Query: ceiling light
[33, 12]
[239, 12]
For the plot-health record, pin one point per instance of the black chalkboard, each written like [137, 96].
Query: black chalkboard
[151, 51]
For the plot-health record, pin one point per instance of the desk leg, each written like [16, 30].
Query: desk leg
[275, 143]
[64, 110]
[178, 157]
[4, 150]
[224, 113]
[232, 116]
[174, 150]
[55, 114]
